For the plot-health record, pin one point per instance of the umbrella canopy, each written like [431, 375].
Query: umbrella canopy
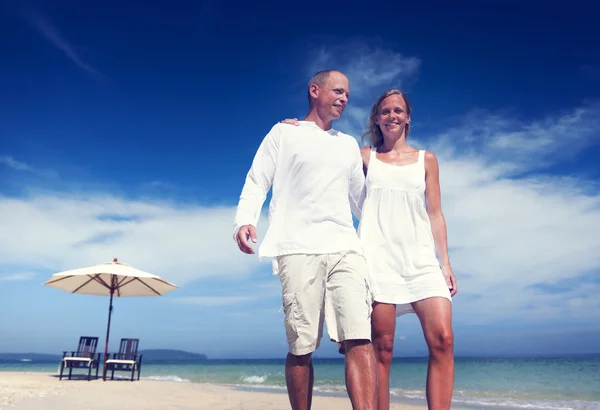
[105, 279]
[110, 279]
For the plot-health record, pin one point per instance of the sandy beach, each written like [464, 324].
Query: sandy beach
[43, 391]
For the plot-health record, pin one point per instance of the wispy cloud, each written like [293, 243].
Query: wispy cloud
[52, 34]
[212, 301]
[504, 137]
[16, 165]
[13, 277]
[370, 69]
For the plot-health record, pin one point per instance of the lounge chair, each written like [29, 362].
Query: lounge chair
[85, 357]
[128, 359]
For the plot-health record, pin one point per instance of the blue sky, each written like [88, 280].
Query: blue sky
[127, 129]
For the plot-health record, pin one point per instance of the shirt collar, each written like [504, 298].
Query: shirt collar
[312, 124]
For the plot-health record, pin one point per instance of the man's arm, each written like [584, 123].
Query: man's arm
[258, 182]
[357, 184]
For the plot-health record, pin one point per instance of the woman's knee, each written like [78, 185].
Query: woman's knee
[441, 341]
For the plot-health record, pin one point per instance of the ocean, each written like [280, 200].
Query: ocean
[563, 382]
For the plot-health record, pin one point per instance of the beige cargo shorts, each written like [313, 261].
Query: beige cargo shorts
[327, 288]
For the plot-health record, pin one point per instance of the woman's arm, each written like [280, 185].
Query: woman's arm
[436, 216]
[365, 153]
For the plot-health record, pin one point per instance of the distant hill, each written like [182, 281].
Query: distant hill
[150, 355]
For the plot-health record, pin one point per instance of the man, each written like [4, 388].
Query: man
[317, 179]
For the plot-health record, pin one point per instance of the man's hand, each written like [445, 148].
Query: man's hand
[450, 279]
[245, 234]
[291, 121]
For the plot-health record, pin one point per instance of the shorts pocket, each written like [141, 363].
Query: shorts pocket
[290, 309]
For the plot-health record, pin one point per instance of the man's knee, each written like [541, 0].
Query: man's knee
[299, 360]
[384, 348]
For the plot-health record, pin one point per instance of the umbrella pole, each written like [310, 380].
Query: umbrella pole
[110, 307]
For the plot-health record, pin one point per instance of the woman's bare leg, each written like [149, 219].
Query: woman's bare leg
[383, 327]
[435, 315]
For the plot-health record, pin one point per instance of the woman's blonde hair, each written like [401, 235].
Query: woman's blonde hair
[373, 131]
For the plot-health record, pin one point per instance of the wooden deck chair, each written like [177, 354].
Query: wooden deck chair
[128, 359]
[85, 357]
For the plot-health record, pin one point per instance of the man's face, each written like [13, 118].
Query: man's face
[331, 98]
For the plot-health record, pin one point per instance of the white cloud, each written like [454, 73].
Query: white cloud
[180, 242]
[510, 233]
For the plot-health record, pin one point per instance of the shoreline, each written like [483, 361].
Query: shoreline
[43, 391]
[33, 390]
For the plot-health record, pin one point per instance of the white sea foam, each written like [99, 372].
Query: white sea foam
[167, 378]
[254, 379]
[409, 394]
[330, 388]
[530, 404]
[504, 402]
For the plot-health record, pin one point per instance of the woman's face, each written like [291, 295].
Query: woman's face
[392, 117]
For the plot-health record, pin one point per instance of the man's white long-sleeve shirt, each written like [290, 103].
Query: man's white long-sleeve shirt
[318, 182]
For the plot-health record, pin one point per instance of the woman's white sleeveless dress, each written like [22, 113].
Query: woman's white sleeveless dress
[396, 235]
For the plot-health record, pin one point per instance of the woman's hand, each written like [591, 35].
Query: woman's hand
[450, 279]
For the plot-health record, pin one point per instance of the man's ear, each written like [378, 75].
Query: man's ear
[314, 91]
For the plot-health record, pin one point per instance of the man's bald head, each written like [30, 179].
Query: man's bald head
[320, 78]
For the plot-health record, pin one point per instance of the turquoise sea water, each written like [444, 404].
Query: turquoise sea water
[568, 382]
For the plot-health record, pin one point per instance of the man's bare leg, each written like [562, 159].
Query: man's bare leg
[361, 374]
[435, 315]
[299, 378]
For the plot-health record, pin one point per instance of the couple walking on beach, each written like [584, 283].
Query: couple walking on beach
[355, 282]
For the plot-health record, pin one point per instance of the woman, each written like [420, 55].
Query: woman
[402, 228]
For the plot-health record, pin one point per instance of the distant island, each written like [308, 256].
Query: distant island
[150, 355]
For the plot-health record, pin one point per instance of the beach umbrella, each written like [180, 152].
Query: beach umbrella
[110, 279]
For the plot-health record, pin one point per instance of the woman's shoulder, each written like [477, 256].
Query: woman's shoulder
[429, 156]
